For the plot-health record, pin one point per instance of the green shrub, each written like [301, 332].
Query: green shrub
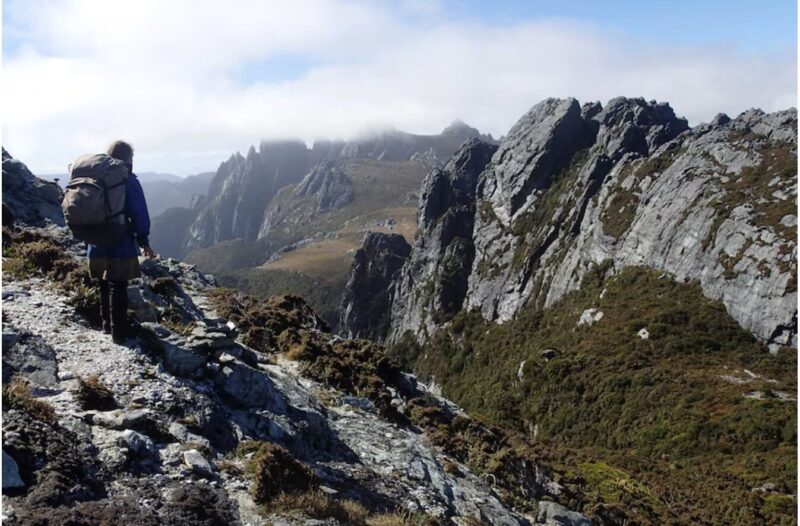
[648, 408]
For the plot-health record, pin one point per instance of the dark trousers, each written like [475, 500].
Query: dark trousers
[114, 307]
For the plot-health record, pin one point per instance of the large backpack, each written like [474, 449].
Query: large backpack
[94, 200]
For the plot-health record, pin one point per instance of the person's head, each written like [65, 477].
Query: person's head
[121, 150]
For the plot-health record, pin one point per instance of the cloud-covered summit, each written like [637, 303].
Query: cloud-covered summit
[190, 81]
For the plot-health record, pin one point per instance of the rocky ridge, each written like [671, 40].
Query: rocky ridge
[325, 188]
[27, 197]
[241, 189]
[169, 428]
[571, 187]
[244, 186]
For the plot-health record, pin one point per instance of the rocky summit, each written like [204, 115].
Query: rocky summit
[27, 197]
[572, 187]
[222, 409]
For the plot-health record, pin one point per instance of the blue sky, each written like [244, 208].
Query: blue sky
[190, 90]
[752, 24]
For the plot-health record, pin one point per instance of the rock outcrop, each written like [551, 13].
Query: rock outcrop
[28, 198]
[328, 185]
[368, 295]
[324, 189]
[573, 187]
[433, 284]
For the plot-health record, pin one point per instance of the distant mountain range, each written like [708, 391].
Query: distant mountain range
[173, 191]
[285, 218]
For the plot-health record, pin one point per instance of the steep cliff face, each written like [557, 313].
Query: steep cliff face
[369, 292]
[28, 198]
[570, 188]
[242, 189]
[433, 284]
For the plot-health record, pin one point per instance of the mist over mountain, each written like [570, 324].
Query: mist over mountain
[183, 192]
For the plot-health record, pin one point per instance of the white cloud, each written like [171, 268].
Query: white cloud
[164, 75]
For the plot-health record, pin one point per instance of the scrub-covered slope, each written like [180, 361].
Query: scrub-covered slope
[640, 386]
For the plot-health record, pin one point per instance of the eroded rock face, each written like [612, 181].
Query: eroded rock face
[242, 189]
[328, 184]
[30, 200]
[433, 284]
[368, 294]
[573, 187]
[324, 189]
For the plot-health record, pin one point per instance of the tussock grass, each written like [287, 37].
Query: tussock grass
[316, 504]
[28, 253]
[164, 286]
[273, 471]
[92, 393]
[17, 394]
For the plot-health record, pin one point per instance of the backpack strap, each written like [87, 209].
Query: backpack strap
[105, 198]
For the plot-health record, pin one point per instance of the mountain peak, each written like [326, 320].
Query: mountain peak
[460, 128]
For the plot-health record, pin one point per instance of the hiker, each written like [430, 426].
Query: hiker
[115, 265]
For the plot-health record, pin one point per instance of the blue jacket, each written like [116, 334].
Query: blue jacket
[138, 225]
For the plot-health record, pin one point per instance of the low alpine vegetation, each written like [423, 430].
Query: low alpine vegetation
[29, 253]
[17, 394]
[92, 393]
[270, 325]
[643, 410]
[274, 471]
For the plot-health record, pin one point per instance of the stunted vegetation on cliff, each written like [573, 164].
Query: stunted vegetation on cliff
[643, 409]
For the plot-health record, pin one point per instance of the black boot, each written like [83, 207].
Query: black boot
[105, 306]
[120, 330]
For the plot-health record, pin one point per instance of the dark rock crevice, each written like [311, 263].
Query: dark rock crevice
[597, 176]
[369, 291]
